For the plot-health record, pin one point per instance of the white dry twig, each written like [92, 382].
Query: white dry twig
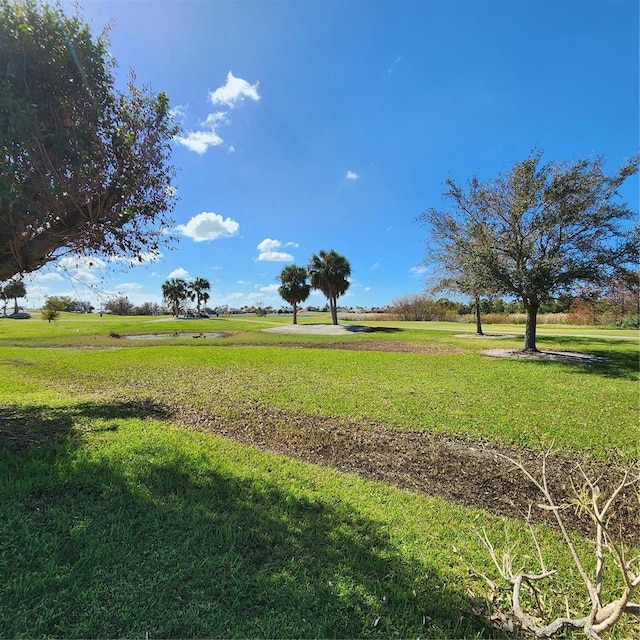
[602, 616]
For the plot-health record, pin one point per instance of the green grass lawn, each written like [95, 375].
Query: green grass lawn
[117, 522]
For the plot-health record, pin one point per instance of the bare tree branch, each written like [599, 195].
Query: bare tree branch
[601, 617]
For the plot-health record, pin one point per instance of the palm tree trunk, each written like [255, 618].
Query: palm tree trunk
[295, 314]
[333, 303]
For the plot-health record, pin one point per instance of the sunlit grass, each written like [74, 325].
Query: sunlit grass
[575, 407]
[126, 526]
[114, 521]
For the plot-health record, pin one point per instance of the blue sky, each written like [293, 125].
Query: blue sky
[313, 125]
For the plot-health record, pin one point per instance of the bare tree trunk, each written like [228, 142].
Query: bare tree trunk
[531, 307]
[478, 318]
[333, 303]
[295, 313]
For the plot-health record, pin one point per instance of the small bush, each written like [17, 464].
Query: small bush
[419, 307]
[553, 318]
[630, 322]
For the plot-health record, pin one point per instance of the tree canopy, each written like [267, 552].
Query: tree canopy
[457, 247]
[12, 290]
[175, 291]
[200, 288]
[294, 288]
[83, 167]
[545, 228]
[329, 272]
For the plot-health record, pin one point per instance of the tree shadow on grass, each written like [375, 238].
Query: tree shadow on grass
[610, 363]
[169, 547]
[33, 424]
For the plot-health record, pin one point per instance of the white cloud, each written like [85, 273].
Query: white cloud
[418, 270]
[208, 226]
[395, 62]
[74, 263]
[275, 256]
[352, 175]
[214, 120]
[270, 288]
[200, 141]
[179, 273]
[149, 256]
[131, 286]
[268, 245]
[268, 251]
[234, 90]
[36, 278]
[146, 257]
[81, 269]
[178, 112]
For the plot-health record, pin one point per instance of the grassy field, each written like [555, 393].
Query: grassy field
[118, 521]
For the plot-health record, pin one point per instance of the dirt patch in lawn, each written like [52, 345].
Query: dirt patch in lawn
[570, 357]
[471, 473]
[361, 344]
[487, 336]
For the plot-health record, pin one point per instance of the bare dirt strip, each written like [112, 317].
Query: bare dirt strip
[472, 473]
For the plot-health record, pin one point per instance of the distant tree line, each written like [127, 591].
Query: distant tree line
[617, 306]
[122, 306]
[118, 305]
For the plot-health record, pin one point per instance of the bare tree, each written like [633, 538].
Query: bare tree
[458, 248]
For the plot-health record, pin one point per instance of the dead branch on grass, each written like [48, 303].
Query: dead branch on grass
[588, 500]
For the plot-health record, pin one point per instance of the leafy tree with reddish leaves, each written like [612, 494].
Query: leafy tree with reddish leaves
[84, 167]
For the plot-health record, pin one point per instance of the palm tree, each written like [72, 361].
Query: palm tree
[295, 288]
[329, 271]
[14, 289]
[175, 291]
[200, 287]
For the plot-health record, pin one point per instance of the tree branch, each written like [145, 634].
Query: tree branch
[600, 618]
